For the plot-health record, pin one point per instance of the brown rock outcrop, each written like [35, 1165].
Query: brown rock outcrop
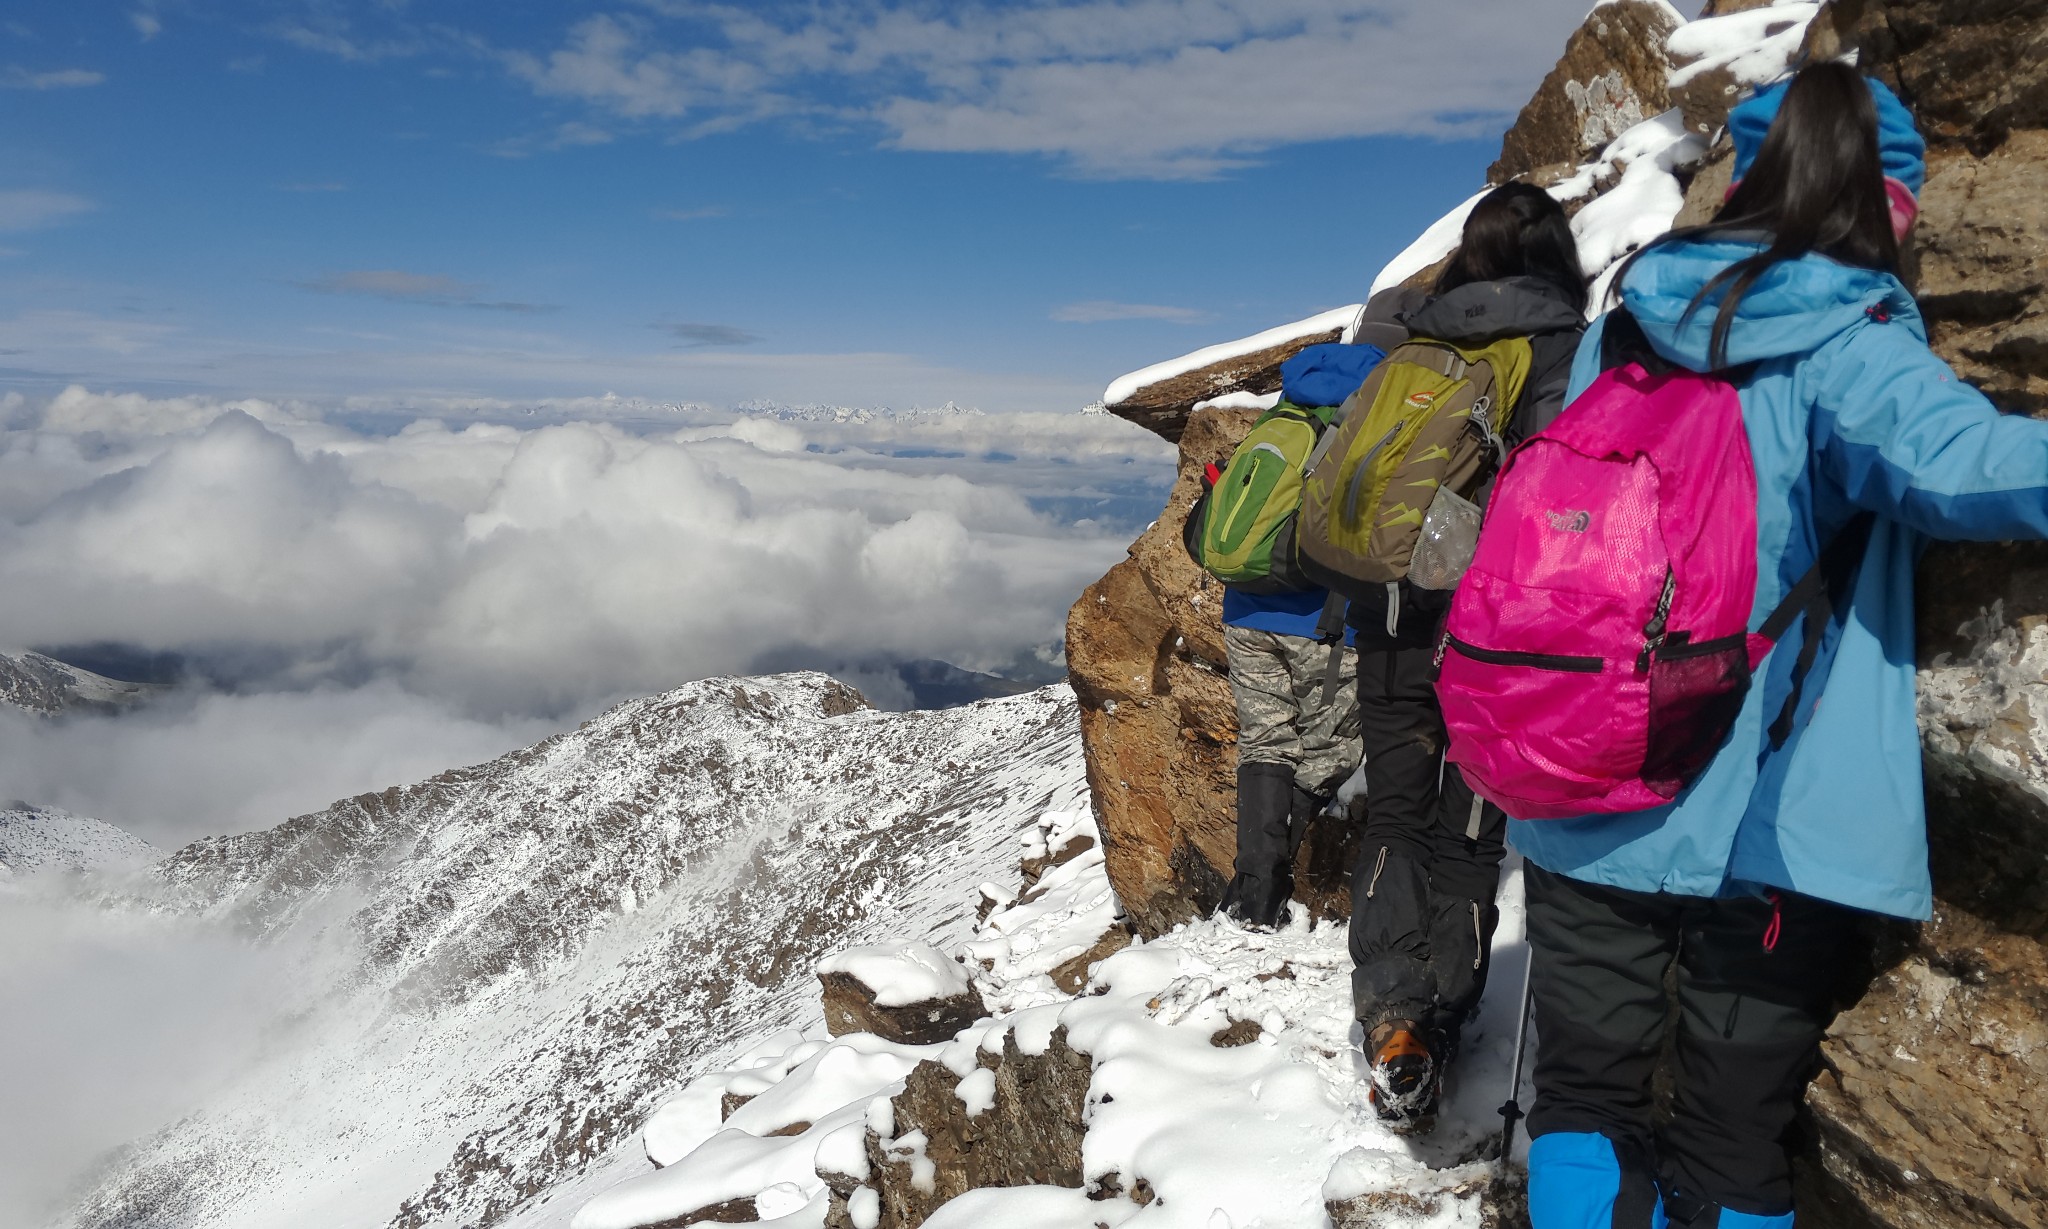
[1612, 77]
[1931, 1110]
[850, 1007]
[1030, 1135]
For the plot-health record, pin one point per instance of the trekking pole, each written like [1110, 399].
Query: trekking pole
[1511, 1113]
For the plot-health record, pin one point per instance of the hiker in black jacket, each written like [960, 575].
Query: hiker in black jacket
[1422, 889]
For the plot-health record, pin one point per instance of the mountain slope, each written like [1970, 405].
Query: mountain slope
[38, 839]
[47, 687]
[503, 969]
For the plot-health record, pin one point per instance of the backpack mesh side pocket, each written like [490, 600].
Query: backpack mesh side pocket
[1696, 691]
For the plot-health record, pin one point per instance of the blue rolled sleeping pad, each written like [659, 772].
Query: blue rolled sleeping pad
[1328, 373]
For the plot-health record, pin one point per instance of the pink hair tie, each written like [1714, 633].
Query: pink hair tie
[1905, 208]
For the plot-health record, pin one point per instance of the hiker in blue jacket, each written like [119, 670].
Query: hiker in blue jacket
[1754, 880]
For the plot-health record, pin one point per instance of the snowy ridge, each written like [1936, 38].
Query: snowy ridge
[504, 970]
[48, 687]
[1259, 1134]
[37, 840]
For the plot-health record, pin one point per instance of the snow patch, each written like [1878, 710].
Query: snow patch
[1755, 47]
[900, 973]
[1339, 319]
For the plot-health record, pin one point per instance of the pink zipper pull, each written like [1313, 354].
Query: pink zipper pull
[1777, 926]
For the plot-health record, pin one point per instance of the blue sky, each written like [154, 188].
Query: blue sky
[1005, 205]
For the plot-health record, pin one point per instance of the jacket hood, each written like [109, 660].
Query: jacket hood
[1481, 312]
[1796, 307]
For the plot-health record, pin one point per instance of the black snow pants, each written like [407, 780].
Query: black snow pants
[1422, 889]
[1756, 982]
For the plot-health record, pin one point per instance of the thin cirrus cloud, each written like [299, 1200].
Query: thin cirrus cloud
[15, 77]
[33, 208]
[572, 135]
[1100, 311]
[400, 286]
[692, 215]
[695, 336]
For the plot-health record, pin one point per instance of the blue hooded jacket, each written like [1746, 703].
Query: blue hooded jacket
[1846, 409]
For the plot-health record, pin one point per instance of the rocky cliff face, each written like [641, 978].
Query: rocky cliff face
[1933, 1104]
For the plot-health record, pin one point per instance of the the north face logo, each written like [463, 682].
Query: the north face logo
[1420, 400]
[1570, 521]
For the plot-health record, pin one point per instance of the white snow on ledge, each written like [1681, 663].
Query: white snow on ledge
[1341, 319]
[900, 973]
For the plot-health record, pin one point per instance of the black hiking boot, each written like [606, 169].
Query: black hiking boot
[1257, 895]
[1406, 1076]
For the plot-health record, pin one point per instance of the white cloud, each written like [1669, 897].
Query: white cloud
[146, 24]
[393, 605]
[15, 77]
[30, 208]
[217, 763]
[1097, 311]
[1111, 88]
[537, 572]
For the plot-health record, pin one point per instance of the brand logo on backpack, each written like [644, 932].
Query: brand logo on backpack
[1569, 521]
[1420, 400]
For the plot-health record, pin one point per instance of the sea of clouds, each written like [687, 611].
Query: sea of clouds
[361, 603]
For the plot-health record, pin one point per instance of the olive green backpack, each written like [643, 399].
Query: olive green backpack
[1429, 420]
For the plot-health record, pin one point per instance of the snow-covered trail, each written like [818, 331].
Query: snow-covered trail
[1261, 1134]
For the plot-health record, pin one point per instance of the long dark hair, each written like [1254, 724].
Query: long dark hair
[1517, 230]
[1817, 185]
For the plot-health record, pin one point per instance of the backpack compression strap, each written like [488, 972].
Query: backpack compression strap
[1330, 631]
[1818, 593]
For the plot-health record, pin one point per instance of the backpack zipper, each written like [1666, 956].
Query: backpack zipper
[1541, 661]
[1365, 467]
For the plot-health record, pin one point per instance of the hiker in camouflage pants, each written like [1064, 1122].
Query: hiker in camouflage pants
[1277, 681]
[1297, 740]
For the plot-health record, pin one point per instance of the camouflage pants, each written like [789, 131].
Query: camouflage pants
[1281, 718]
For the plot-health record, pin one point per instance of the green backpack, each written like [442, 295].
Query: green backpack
[1242, 530]
[1428, 420]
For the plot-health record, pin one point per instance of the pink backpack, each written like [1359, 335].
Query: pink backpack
[1598, 649]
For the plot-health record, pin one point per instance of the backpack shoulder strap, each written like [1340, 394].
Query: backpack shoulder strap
[1824, 588]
